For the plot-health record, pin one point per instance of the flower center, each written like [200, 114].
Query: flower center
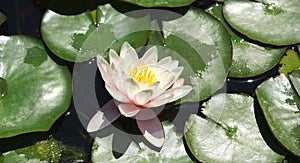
[144, 75]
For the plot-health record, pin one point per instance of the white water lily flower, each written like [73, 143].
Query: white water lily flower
[139, 85]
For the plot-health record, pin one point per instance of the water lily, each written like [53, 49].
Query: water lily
[138, 85]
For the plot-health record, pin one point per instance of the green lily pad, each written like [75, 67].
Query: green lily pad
[289, 62]
[249, 59]
[161, 3]
[267, 21]
[172, 151]
[233, 137]
[202, 41]
[41, 152]
[83, 36]
[295, 79]
[35, 90]
[2, 18]
[280, 105]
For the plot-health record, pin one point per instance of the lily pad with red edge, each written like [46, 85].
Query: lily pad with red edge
[35, 90]
[161, 3]
[203, 45]
[249, 58]
[173, 149]
[229, 134]
[80, 37]
[266, 21]
[280, 105]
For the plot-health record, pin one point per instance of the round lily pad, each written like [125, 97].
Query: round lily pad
[172, 151]
[35, 91]
[204, 44]
[280, 105]
[161, 3]
[267, 21]
[96, 31]
[233, 137]
[249, 59]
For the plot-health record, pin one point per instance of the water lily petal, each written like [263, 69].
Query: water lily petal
[179, 92]
[164, 61]
[132, 87]
[178, 83]
[150, 57]
[116, 94]
[108, 114]
[177, 72]
[151, 129]
[142, 97]
[167, 79]
[128, 110]
[105, 69]
[128, 53]
[113, 57]
[118, 78]
[161, 99]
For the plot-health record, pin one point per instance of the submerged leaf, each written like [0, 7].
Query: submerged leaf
[289, 62]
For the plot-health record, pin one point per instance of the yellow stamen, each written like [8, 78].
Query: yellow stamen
[145, 75]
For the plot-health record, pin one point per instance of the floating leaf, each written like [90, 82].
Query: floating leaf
[79, 37]
[35, 90]
[201, 43]
[232, 137]
[249, 59]
[173, 149]
[289, 62]
[280, 105]
[267, 21]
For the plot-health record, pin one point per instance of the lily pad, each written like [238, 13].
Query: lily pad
[173, 149]
[267, 21]
[161, 3]
[289, 62]
[2, 18]
[249, 59]
[280, 105]
[95, 31]
[233, 137]
[204, 44]
[35, 90]
[41, 152]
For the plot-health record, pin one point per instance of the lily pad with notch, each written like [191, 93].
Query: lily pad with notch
[80, 37]
[35, 91]
[204, 44]
[249, 58]
[233, 137]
